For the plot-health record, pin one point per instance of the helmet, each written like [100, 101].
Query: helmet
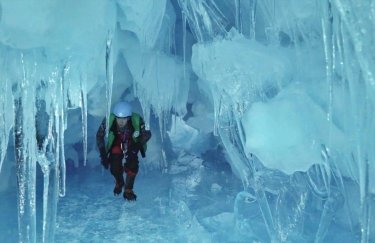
[122, 109]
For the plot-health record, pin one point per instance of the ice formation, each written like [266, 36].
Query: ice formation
[287, 87]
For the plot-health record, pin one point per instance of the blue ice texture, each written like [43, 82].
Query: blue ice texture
[262, 115]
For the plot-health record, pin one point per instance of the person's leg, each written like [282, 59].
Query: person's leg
[130, 178]
[131, 169]
[115, 161]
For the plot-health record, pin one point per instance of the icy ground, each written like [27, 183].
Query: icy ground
[190, 206]
[91, 213]
[167, 210]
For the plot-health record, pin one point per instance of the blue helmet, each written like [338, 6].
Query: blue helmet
[122, 109]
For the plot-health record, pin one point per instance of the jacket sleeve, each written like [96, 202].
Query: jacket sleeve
[100, 143]
[145, 136]
[142, 126]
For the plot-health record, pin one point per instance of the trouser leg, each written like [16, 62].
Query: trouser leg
[129, 182]
[131, 169]
[130, 178]
[116, 168]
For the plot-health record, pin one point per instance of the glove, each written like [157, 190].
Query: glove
[104, 161]
[135, 134]
[145, 136]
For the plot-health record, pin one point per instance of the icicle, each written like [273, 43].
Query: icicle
[329, 54]
[51, 171]
[162, 125]
[365, 178]
[361, 33]
[241, 133]
[6, 119]
[44, 164]
[109, 74]
[184, 42]
[252, 18]
[217, 112]
[62, 159]
[205, 18]
[163, 162]
[46, 173]
[47, 96]
[237, 6]
[359, 71]
[60, 126]
[271, 31]
[84, 119]
[25, 146]
[329, 50]
[25, 175]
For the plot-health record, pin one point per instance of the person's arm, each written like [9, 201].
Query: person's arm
[142, 126]
[100, 143]
[145, 135]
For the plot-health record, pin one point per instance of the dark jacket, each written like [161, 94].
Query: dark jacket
[136, 124]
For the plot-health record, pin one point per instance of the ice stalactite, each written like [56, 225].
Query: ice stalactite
[6, 117]
[329, 48]
[159, 86]
[237, 21]
[253, 11]
[330, 197]
[25, 177]
[184, 20]
[47, 161]
[83, 105]
[25, 151]
[50, 169]
[40, 101]
[353, 38]
[54, 151]
[56, 91]
[60, 110]
[205, 18]
[49, 138]
[109, 74]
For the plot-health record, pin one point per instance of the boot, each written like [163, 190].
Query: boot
[129, 195]
[118, 187]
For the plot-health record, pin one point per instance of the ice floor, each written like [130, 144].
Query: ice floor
[164, 211]
[191, 206]
[91, 213]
